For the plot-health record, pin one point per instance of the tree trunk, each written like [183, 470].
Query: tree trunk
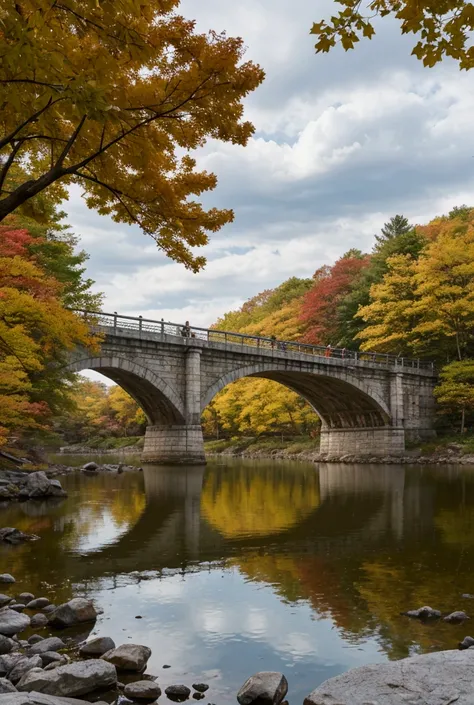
[463, 419]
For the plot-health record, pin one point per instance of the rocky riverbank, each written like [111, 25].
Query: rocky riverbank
[308, 451]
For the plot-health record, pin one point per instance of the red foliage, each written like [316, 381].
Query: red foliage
[14, 241]
[320, 304]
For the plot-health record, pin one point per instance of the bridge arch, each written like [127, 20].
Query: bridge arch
[160, 403]
[340, 400]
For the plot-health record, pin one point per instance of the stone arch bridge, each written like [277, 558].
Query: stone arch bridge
[368, 403]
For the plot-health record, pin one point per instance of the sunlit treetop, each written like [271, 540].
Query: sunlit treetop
[115, 95]
[443, 27]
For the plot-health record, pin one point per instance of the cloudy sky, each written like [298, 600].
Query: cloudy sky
[342, 143]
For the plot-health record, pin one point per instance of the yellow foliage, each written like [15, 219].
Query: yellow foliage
[115, 95]
[265, 505]
[445, 27]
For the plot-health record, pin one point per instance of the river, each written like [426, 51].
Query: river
[247, 565]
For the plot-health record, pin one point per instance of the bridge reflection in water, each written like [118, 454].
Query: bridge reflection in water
[195, 515]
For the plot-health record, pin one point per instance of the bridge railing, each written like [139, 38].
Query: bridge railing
[118, 322]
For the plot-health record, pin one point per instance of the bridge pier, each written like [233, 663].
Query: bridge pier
[379, 440]
[180, 444]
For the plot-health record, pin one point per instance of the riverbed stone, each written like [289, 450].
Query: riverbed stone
[129, 657]
[431, 679]
[142, 690]
[39, 620]
[18, 607]
[179, 693]
[6, 686]
[35, 639]
[22, 666]
[6, 645]
[90, 467]
[74, 679]
[7, 578]
[4, 600]
[48, 657]
[264, 687]
[52, 643]
[425, 612]
[456, 617]
[97, 646]
[15, 536]
[12, 622]
[26, 597]
[76, 611]
[49, 609]
[38, 603]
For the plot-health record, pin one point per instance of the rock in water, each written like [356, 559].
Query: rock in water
[423, 613]
[38, 603]
[97, 647]
[200, 687]
[7, 578]
[431, 679]
[4, 600]
[26, 597]
[178, 693]
[90, 467]
[466, 643]
[15, 536]
[52, 643]
[74, 679]
[17, 607]
[75, 611]
[264, 687]
[12, 622]
[38, 486]
[129, 657]
[39, 620]
[34, 639]
[6, 686]
[142, 690]
[456, 617]
[17, 698]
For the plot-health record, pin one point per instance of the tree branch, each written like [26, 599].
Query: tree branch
[70, 142]
[6, 140]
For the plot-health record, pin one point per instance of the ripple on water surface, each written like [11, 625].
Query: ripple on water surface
[247, 566]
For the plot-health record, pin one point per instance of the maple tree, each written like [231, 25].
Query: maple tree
[456, 388]
[115, 96]
[444, 27]
[319, 308]
[36, 332]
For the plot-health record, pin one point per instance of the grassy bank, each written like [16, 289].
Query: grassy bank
[262, 445]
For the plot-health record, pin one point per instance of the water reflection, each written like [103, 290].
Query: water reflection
[258, 565]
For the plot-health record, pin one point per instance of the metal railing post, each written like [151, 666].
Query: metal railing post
[140, 323]
[115, 321]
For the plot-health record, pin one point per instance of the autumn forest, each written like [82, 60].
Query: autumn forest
[412, 295]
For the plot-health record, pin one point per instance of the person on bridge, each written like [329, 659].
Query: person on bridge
[186, 330]
[328, 351]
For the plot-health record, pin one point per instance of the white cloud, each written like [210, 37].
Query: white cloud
[343, 142]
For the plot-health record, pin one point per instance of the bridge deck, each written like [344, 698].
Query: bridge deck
[177, 334]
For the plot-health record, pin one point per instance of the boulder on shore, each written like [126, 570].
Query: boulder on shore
[129, 657]
[75, 611]
[264, 687]
[97, 647]
[6, 686]
[430, 679]
[52, 643]
[78, 678]
[17, 698]
[12, 622]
